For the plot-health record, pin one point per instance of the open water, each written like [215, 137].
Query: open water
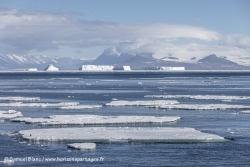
[101, 88]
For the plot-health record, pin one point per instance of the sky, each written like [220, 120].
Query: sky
[87, 29]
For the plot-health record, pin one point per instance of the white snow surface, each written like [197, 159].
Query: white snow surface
[20, 104]
[203, 106]
[79, 107]
[10, 114]
[94, 119]
[120, 134]
[141, 103]
[17, 98]
[51, 68]
[96, 68]
[83, 146]
[202, 97]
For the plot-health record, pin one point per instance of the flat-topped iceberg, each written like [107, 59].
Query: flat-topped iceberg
[10, 114]
[17, 98]
[95, 119]
[204, 106]
[96, 68]
[141, 103]
[202, 97]
[20, 104]
[83, 146]
[120, 134]
[79, 107]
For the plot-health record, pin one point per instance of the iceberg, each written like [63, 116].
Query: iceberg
[96, 68]
[95, 119]
[203, 107]
[79, 107]
[202, 97]
[51, 68]
[83, 146]
[10, 114]
[20, 104]
[141, 103]
[120, 134]
[20, 98]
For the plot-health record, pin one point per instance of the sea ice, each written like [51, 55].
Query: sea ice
[141, 103]
[20, 104]
[10, 114]
[203, 106]
[79, 107]
[121, 134]
[20, 98]
[83, 146]
[245, 112]
[202, 97]
[95, 119]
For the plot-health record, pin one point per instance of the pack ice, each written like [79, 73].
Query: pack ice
[141, 103]
[79, 107]
[94, 119]
[10, 114]
[203, 106]
[202, 97]
[20, 104]
[120, 134]
[17, 98]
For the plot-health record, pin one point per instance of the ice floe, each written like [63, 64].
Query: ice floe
[10, 114]
[204, 106]
[20, 104]
[202, 97]
[83, 146]
[16, 98]
[79, 107]
[244, 112]
[95, 119]
[141, 103]
[121, 134]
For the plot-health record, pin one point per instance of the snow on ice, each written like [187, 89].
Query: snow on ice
[94, 119]
[141, 103]
[121, 134]
[10, 114]
[83, 146]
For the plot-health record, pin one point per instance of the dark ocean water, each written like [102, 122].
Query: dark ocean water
[100, 88]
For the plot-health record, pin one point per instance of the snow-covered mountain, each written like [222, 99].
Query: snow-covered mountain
[10, 62]
[135, 61]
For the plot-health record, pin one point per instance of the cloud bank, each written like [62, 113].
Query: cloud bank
[25, 31]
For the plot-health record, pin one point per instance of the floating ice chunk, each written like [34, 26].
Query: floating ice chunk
[83, 146]
[245, 112]
[20, 104]
[121, 134]
[79, 107]
[51, 68]
[7, 161]
[94, 119]
[202, 97]
[204, 107]
[10, 114]
[20, 98]
[141, 103]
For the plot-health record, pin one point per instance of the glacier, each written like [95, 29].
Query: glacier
[120, 134]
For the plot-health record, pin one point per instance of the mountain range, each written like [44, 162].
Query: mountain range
[135, 61]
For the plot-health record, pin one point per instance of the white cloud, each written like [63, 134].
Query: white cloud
[23, 31]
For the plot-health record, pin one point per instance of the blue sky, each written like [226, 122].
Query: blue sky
[79, 28]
